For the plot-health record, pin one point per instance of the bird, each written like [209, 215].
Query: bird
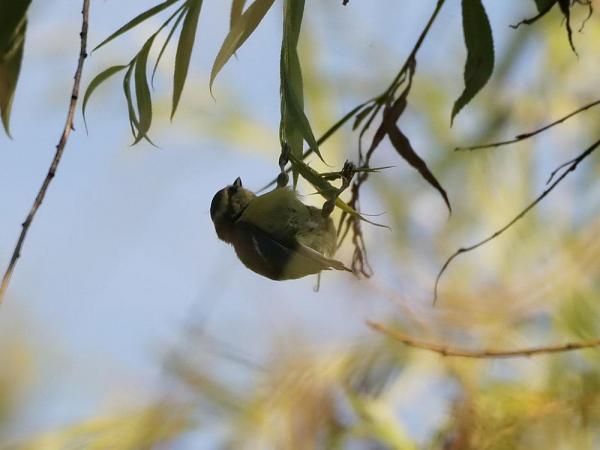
[275, 234]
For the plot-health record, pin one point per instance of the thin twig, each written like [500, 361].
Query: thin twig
[573, 165]
[446, 350]
[522, 137]
[60, 147]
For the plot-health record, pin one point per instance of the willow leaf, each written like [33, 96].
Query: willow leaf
[243, 27]
[136, 21]
[480, 52]
[13, 27]
[142, 91]
[96, 82]
[237, 7]
[184, 51]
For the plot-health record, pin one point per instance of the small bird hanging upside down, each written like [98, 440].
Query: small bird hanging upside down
[275, 234]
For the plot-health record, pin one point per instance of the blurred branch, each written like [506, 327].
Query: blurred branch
[522, 137]
[446, 350]
[568, 167]
[59, 151]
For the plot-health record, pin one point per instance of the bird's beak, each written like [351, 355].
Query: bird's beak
[238, 182]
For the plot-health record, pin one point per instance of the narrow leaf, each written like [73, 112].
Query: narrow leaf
[404, 149]
[361, 115]
[565, 9]
[133, 121]
[97, 81]
[243, 27]
[136, 21]
[184, 51]
[480, 52]
[13, 27]
[294, 126]
[237, 7]
[142, 91]
[182, 14]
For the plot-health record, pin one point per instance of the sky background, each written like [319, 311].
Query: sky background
[122, 255]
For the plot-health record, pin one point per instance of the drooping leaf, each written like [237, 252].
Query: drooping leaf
[405, 149]
[13, 26]
[96, 82]
[181, 14]
[237, 7]
[184, 51]
[142, 91]
[133, 121]
[136, 21]
[294, 126]
[565, 9]
[480, 52]
[241, 29]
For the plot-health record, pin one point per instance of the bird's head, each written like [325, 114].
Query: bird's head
[227, 206]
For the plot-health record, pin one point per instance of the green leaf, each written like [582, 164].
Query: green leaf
[133, 121]
[184, 51]
[239, 32]
[13, 26]
[480, 52]
[182, 12]
[136, 21]
[97, 81]
[237, 7]
[294, 125]
[142, 91]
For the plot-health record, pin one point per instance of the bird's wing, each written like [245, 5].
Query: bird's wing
[262, 253]
[279, 213]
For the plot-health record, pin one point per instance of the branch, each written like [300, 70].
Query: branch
[570, 167]
[60, 147]
[522, 137]
[446, 350]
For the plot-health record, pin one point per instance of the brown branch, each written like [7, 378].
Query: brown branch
[446, 350]
[572, 165]
[522, 137]
[60, 147]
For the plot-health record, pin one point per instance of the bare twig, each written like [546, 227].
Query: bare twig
[60, 147]
[522, 137]
[572, 165]
[446, 350]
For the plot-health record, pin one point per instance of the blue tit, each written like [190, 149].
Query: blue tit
[275, 234]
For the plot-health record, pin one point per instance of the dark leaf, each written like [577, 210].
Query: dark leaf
[480, 52]
[544, 5]
[361, 116]
[142, 92]
[13, 26]
[565, 9]
[404, 148]
[184, 51]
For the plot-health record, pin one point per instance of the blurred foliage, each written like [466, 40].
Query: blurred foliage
[538, 284]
